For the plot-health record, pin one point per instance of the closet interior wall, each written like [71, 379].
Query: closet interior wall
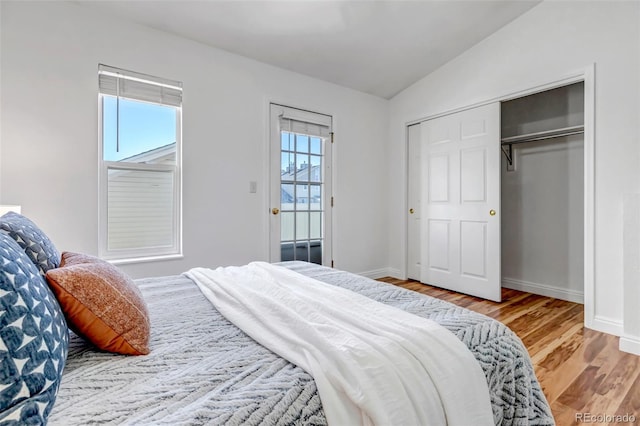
[543, 198]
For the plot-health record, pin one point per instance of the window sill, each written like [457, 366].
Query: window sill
[133, 260]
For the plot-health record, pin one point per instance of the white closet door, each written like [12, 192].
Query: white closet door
[460, 243]
[414, 208]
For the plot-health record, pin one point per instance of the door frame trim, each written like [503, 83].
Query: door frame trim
[586, 75]
[268, 101]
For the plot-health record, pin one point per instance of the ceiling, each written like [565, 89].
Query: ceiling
[376, 47]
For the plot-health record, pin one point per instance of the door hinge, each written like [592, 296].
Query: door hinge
[331, 137]
[332, 263]
[332, 201]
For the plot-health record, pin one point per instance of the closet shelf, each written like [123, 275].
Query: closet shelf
[507, 143]
[547, 134]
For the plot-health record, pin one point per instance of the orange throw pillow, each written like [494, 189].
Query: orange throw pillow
[101, 304]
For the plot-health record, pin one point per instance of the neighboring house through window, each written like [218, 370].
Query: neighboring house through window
[140, 173]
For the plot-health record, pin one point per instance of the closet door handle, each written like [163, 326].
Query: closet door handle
[492, 212]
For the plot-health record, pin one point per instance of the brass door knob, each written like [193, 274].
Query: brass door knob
[275, 210]
[492, 212]
[411, 211]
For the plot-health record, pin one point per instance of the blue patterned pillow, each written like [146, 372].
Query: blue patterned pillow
[33, 241]
[34, 340]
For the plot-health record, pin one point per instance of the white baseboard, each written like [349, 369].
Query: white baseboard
[630, 344]
[395, 273]
[607, 325]
[382, 272]
[544, 290]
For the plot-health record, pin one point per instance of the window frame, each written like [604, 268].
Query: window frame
[143, 254]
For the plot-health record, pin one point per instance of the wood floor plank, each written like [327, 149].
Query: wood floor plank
[562, 366]
[563, 415]
[545, 330]
[553, 341]
[615, 386]
[581, 371]
[631, 403]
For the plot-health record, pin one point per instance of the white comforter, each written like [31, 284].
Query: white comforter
[372, 363]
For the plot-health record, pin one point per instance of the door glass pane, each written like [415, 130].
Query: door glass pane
[302, 143]
[287, 196]
[286, 252]
[316, 145]
[302, 197]
[287, 226]
[315, 197]
[316, 225]
[315, 172]
[286, 139]
[315, 252]
[302, 226]
[302, 165]
[287, 165]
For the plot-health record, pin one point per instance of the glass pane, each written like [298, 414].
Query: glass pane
[302, 225]
[140, 209]
[315, 197]
[286, 140]
[302, 251]
[302, 143]
[286, 252]
[302, 164]
[316, 145]
[315, 173]
[302, 197]
[315, 252]
[287, 165]
[144, 133]
[316, 225]
[286, 226]
[287, 196]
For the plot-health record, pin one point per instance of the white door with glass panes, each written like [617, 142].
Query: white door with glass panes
[300, 210]
[460, 201]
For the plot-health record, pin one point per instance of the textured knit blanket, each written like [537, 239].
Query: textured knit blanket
[204, 370]
[373, 364]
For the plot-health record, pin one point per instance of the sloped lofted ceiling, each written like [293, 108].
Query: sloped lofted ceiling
[376, 47]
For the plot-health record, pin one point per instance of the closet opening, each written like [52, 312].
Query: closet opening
[542, 193]
[500, 195]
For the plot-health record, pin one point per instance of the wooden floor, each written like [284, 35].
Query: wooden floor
[581, 371]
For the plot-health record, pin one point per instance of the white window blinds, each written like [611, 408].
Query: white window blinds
[304, 122]
[142, 87]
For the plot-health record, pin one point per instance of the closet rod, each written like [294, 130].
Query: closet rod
[548, 134]
[538, 136]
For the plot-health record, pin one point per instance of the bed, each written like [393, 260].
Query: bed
[204, 370]
[195, 366]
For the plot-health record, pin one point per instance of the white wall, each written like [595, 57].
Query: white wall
[50, 54]
[550, 41]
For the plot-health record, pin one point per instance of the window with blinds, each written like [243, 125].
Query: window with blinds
[140, 145]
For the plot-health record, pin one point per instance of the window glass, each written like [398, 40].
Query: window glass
[138, 132]
[140, 209]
